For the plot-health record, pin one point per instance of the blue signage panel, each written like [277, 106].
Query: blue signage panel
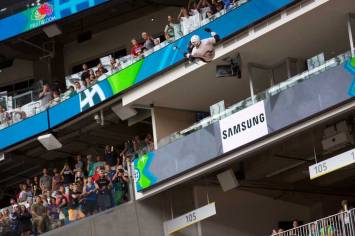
[64, 111]
[41, 15]
[23, 130]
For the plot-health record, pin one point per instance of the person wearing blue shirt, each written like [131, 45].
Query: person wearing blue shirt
[227, 4]
[89, 191]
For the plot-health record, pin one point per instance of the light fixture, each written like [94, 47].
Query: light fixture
[49, 142]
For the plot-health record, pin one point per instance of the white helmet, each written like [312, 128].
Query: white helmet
[195, 40]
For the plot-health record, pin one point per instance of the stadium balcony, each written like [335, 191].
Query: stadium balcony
[116, 85]
[134, 71]
[270, 102]
[341, 223]
[277, 116]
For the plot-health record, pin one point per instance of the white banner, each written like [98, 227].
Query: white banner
[243, 127]
[332, 164]
[190, 218]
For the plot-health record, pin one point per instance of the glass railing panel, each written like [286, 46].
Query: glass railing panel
[278, 88]
[341, 223]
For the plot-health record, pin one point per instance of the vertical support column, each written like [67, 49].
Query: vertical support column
[154, 127]
[288, 67]
[251, 86]
[351, 39]
[197, 205]
[132, 178]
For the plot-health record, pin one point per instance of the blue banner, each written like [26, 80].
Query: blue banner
[41, 15]
[23, 130]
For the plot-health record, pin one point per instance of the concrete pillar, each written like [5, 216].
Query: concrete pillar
[168, 121]
[350, 32]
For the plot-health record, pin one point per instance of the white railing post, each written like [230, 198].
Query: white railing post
[351, 39]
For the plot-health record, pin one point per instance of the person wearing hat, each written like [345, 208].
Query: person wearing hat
[203, 49]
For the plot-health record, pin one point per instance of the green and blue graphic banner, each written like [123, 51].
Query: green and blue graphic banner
[143, 176]
[41, 15]
[350, 67]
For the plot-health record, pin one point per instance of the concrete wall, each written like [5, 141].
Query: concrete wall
[168, 121]
[244, 213]
[21, 70]
[116, 38]
[142, 218]
[238, 213]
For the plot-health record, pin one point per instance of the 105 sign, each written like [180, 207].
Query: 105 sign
[332, 164]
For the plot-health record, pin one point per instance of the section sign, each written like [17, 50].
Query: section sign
[243, 127]
[190, 218]
[332, 164]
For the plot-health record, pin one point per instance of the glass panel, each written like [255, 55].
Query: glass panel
[261, 96]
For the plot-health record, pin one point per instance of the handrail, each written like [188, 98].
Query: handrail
[341, 223]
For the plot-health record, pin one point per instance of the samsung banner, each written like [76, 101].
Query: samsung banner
[243, 127]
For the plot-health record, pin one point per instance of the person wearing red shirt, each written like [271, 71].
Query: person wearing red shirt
[136, 49]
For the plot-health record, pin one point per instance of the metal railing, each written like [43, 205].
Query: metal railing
[341, 224]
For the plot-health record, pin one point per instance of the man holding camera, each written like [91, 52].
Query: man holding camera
[103, 186]
[119, 180]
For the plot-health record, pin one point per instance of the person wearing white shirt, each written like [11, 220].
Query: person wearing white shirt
[78, 87]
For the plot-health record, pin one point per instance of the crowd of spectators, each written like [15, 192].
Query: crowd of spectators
[80, 188]
[337, 225]
[196, 14]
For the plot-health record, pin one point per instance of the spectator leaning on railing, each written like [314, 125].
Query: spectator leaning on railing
[190, 18]
[148, 41]
[4, 117]
[45, 95]
[136, 49]
[172, 30]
